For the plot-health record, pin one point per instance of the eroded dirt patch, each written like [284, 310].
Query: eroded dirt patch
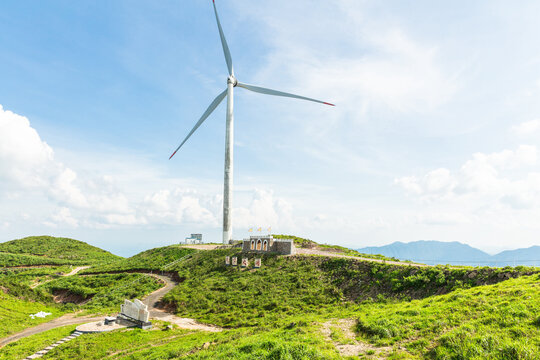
[64, 297]
[340, 333]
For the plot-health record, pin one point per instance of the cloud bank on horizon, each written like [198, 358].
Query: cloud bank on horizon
[435, 134]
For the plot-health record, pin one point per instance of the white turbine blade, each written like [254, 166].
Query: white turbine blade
[278, 93]
[207, 113]
[226, 51]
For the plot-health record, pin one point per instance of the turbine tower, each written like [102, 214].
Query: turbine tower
[229, 136]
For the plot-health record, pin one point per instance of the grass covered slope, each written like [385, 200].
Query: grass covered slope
[500, 321]
[13, 260]
[99, 293]
[15, 313]
[150, 260]
[361, 280]
[279, 312]
[228, 296]
[55, 250]
[232, 297]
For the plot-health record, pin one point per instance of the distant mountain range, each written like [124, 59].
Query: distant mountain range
[455, 253]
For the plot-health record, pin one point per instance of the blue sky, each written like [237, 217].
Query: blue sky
[434, 136]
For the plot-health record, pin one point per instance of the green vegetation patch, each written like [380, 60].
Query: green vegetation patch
[487, 322]
[61, 249]
[361, 280]
[103, 292]
[19, 282]
[32, 344]
[15, 314]
[232, 297]
[15, 260]
[149, 260]
[247, 343]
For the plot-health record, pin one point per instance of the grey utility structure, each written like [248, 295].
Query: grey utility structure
[232, 82]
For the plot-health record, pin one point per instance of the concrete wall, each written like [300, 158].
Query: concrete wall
[282, 247]
[135, 310]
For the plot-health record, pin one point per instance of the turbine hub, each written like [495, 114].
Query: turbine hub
[232, 80]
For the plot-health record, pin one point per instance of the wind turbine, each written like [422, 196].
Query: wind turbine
[232, 82]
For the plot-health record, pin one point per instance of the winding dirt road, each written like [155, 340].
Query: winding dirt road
[151, 300]
[72, 272]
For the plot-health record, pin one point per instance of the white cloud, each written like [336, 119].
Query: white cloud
[181, 206]
[264, 210]
[483, 174]
[98, 201]
[120, 219]
[63, 187]
[488, 188]
[383, 68]
[24, 158]
[527, 127]
[28, 168]
[64, 217]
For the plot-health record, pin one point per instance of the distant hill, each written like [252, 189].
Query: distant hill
[35, 250]
[528, 256]
[455, 253]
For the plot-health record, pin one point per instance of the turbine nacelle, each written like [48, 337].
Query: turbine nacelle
[232, 80]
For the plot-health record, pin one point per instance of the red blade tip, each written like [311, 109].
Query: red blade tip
[328, 104]
[172, 154]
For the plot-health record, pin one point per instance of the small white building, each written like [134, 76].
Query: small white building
[194, 239]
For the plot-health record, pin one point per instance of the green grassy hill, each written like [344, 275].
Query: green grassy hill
[48, 250]
[498, 322]
[293, 307]
[13, 260]
[150, 260]
[232, 297]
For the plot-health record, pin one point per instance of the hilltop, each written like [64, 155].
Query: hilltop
[43, 250]
[304, 243]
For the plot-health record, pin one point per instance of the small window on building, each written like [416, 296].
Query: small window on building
[265, 245]
[252, 246]
[259, 243]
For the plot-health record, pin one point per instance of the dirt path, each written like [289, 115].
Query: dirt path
[302, 251]
[152, 300]
[68, 319]
[205, 246]
[76, 270]
[340, 333]
[72, 272]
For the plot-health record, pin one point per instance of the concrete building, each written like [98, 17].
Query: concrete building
[267, 244]
[194, 239]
